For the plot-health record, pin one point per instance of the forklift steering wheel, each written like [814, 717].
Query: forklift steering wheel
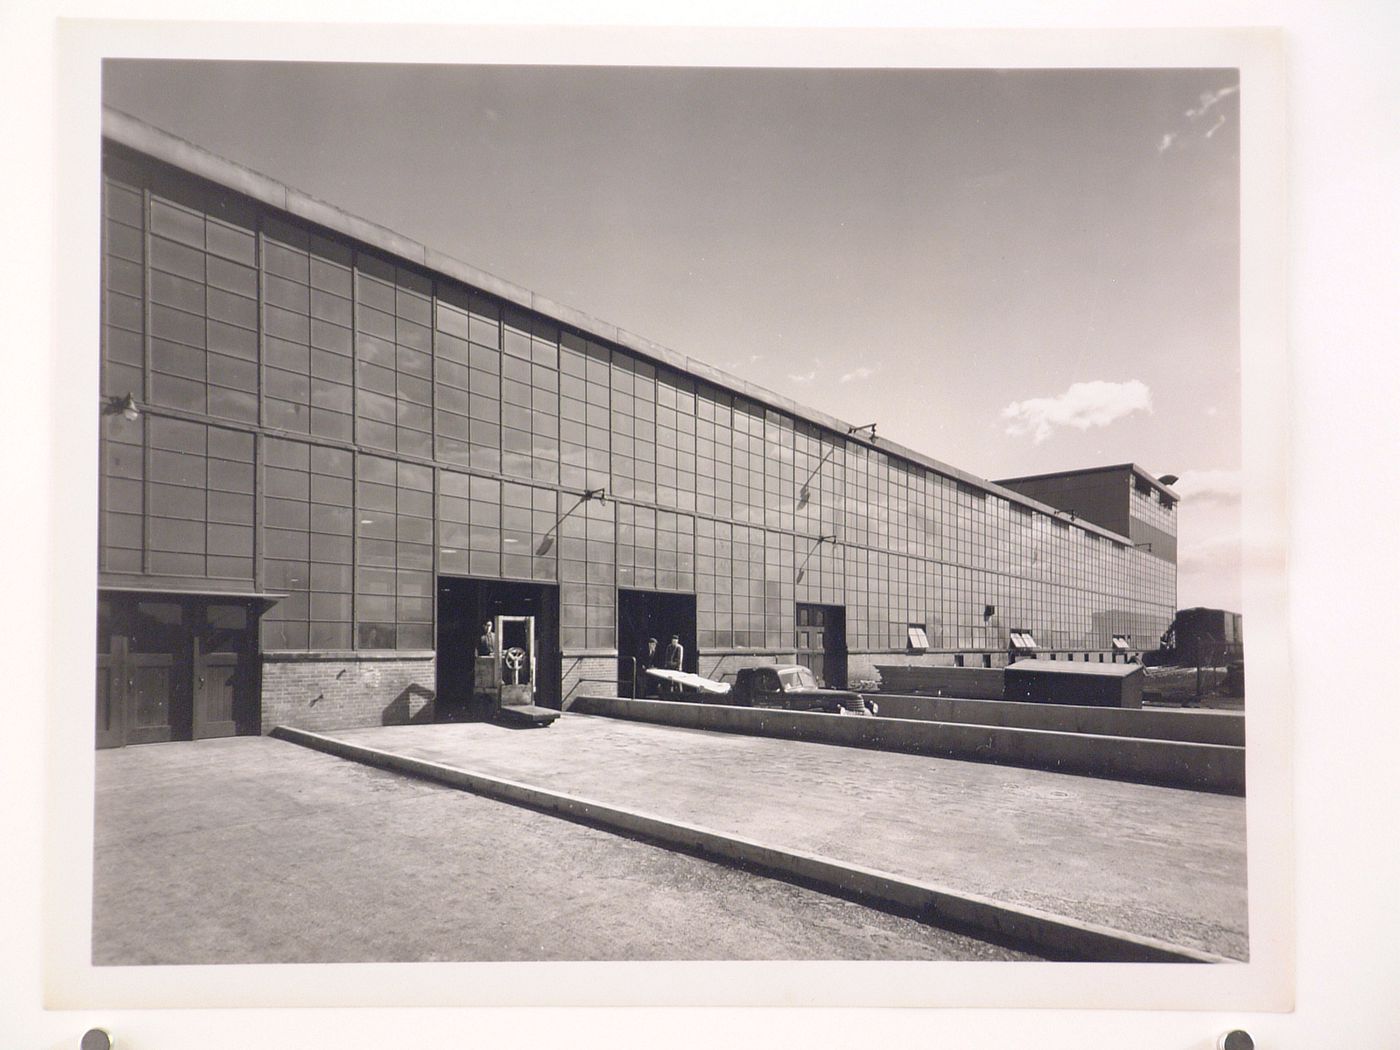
[514, 657]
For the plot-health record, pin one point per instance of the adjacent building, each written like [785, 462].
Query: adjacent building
[329, 454]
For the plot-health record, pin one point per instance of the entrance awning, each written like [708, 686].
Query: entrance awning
[265, 598]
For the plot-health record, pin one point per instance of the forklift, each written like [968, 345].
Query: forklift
[505, 677]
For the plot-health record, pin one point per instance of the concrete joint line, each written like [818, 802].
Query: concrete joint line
[1054, 934]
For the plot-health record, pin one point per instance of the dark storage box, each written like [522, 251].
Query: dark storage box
[1081, 684]
[967, 683]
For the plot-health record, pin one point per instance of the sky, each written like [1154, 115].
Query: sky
[1014, 272]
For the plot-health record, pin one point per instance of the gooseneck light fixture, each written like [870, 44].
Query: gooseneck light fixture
[546, 543]
[126, 407]
[852, 431]
[802, 569]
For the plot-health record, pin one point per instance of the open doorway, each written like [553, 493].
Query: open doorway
[464, 605]
[652, 614]
[821, 642]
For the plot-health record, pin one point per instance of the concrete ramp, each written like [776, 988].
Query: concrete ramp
[471, 758]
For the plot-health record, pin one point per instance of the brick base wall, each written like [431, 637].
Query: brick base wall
[319, 691]
[589, 673]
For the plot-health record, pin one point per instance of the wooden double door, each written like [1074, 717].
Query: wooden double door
[174, 668]
[821, 642]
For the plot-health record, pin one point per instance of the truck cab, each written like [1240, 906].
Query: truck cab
[792, 687]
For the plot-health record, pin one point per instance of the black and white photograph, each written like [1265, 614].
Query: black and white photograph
[605, 523]
[867, 586]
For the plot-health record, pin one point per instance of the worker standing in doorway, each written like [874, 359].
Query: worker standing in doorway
[648, 657]
[674, 659]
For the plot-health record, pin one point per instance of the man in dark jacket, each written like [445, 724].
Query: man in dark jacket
[650, 656]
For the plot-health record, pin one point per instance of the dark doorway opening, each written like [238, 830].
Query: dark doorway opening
[821, 643]
[652, 614]
[464, 605]
[176, 667]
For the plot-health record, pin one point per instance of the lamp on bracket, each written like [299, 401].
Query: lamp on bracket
[126, 407]
[853, 431]
[802, 569]
[546, 543]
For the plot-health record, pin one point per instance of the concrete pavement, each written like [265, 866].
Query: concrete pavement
[255, 850]
[1159, 862]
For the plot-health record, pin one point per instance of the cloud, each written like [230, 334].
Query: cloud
[805, 377]
[1209, 99]
[1209, 486]
[1082, 406]
[858, 373]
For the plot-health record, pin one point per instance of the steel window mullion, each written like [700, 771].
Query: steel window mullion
[146, 361]
[354, 550]
[103, 482]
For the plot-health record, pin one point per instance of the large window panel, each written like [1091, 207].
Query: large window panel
[393, 311]
[393, 574]
[198, 500]
[468, 378]
[123, 260]
[587, 590]
[202, 288]
[122, 496]
[307, 540]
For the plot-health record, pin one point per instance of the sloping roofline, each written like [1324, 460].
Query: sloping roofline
[137, 135]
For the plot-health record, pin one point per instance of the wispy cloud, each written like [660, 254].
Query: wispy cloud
[1082, 406]
[1209, 486]
[1210, 99]
[857, 373]
[804, 378]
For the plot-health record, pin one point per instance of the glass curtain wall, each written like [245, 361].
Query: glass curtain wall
[325, 422]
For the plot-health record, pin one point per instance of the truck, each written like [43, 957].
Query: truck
[792, 687]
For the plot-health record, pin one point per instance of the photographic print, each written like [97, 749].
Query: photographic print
[600, 513]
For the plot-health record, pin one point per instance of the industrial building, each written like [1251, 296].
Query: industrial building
[329, 454]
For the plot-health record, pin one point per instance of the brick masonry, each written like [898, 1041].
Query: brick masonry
[588, 674]
[320, 691]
